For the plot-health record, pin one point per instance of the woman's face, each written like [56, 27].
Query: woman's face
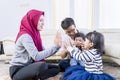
[40, 23]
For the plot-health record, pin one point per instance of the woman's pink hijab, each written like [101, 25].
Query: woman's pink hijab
[29, 26]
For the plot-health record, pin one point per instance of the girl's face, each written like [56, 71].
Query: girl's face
[40, 23]
[78, 41]
[87, 44]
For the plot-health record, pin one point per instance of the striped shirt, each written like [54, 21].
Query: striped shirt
[91, 59]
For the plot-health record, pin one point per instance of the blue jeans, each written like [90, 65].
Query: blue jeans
[73, 61]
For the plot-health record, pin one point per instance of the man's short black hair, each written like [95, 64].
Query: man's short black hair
[67, 22]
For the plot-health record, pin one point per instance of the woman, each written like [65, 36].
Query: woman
[28, 61]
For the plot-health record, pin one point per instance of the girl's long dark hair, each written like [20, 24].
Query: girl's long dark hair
[98, 41]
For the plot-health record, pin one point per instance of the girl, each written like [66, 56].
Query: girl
[91, 56]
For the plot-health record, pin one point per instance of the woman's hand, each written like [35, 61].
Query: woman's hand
[58, 39]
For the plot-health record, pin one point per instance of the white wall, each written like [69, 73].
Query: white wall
[106, 16]
[11, 12]
[109, 14]
[83, 13]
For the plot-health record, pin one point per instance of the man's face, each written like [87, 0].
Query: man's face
[71, 31]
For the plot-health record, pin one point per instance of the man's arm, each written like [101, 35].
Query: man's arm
[63, 54]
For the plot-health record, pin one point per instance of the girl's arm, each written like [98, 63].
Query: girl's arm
[86, 55]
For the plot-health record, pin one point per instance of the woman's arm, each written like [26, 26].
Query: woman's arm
[30, 47]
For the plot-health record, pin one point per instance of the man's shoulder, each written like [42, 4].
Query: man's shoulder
[66, 37]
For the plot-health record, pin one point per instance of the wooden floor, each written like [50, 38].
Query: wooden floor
[110, 68]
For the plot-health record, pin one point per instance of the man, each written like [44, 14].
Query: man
[69, 27]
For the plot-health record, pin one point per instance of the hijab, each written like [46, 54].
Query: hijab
[29, 26]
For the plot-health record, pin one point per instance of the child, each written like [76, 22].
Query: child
[91, 55]
[79, 39]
